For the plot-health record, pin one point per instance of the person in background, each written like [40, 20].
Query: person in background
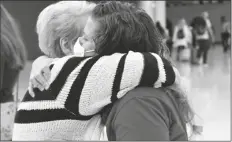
[13, 59]
[169, 27]
[201, 38]
[209, 25]
[194, 49]
[225, 34]
[181, 37]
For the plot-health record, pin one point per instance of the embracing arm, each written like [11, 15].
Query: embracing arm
[113, 78]
[37, 78]
[99, 81]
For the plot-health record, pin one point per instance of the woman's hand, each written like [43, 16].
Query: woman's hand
[40, 81]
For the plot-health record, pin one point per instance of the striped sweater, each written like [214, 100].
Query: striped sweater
[78, 90]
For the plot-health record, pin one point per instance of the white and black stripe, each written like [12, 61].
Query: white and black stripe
[150, 72]
[81, 87]
[118, 78]
[101, 77]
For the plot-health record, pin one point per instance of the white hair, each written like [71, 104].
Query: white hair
[64, 19]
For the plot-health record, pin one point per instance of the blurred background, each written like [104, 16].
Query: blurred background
[208, 85]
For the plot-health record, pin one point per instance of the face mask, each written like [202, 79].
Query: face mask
[79, 50]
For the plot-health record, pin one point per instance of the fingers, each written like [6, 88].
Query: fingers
[30, 90]
[40, 81]
[46, 74]
[36, 83]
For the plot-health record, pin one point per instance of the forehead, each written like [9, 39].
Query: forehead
[91, 27]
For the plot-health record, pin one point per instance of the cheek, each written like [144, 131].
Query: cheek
[89, 45]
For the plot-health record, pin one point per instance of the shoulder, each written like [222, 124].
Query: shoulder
[157, 98]
[150, 109]
[144, 92]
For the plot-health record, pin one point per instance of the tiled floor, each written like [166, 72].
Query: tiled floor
[208, 90]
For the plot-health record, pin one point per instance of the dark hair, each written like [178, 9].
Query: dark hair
[125, 27]
[156, 39]
[121, 30]
[160, 28]
[12, 46]
[198, 21]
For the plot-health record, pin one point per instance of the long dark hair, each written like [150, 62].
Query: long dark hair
[125, 27]
[12, 46]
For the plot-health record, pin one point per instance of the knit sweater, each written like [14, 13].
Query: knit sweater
[78, 90]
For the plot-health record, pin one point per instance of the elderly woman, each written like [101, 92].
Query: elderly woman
[79, 87]
[13, 58]
[181, 37]
[58, 27]
[60, 24]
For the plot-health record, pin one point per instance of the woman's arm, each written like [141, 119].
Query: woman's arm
[38, 79]
[111, 78]
[100, 81]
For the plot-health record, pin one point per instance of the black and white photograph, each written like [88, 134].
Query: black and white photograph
[115, 70]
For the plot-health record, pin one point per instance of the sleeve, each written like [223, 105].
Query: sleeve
[114, 76]
[141, 119]
[148, 70]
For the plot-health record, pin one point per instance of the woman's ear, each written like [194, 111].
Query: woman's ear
[65, 46]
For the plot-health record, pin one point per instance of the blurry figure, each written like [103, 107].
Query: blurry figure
[169, 27]
[209, 25]
[13, 58]
[225, 33]
[201, 38]
[181, 37]
[220, 1]
[201, 1]
[194, 49]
